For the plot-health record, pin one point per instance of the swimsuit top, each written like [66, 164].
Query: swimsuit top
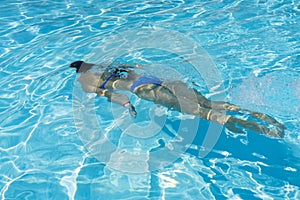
[116, 73]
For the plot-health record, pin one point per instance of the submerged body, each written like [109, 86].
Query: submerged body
[174, 95]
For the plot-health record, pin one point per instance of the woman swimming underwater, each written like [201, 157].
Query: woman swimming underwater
[173, 95]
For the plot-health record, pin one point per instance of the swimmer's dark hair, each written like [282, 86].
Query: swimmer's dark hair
[81, 66]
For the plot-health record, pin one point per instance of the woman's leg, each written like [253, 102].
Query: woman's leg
[225, 106]
[236, 125]
[172, 98]
[178, 96]
[219, 105]
[223, 112]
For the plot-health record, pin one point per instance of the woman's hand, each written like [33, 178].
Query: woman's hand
[131, 109]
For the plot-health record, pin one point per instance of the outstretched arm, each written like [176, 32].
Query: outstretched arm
[117, 98]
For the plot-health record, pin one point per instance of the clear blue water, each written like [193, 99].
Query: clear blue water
[45, 152]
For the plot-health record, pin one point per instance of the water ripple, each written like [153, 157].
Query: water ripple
[254, 44]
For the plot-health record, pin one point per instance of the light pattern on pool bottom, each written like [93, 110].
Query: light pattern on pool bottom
[254, 45]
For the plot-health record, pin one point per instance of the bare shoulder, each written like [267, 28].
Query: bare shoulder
[88, 76]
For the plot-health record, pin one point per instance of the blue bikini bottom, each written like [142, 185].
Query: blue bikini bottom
[143, 80]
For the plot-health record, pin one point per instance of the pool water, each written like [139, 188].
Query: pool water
[51, 132]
